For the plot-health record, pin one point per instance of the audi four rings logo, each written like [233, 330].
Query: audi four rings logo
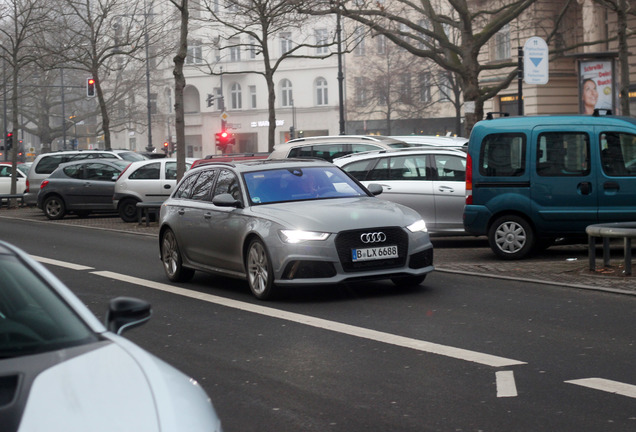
[376, 237]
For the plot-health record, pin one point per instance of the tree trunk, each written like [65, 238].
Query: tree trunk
[179, 85]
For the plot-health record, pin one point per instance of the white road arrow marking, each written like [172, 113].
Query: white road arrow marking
[506, 386]
[606, 385]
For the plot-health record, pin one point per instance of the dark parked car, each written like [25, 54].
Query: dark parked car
[63, 370]
[289, 222]
[80, 187]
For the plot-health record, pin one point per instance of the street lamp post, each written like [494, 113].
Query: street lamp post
[340, 74]
[148, 105]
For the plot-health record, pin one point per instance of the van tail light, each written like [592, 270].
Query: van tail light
[469, 180]
[27, 186]
[43, 184]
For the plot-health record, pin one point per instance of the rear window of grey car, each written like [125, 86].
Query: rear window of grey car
[503, 155]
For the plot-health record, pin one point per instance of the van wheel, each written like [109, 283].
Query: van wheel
[511, 237]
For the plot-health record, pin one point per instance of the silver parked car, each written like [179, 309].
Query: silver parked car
[63, 370]
[80, 187]
[289, 222]
[430, 180]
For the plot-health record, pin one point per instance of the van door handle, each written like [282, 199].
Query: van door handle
[166, 186]
[446, 189]
[611, 185]
[585, 188]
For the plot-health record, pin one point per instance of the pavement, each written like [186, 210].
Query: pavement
[564, 265]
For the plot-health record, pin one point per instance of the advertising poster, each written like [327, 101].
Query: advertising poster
[596, 86]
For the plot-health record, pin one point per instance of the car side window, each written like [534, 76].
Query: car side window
[203, 185]
[147, 172]
[408, 168]
[503, 155]
[618, 153]
[381, 170]
[185, 187]
[74, 171]
[562, 154]
[100, 172]
[360, 169]
[5, 171]
[450, 168]
[171, 171]
[48, 164]
[228, 183]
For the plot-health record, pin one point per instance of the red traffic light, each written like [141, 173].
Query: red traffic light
[165, 144]
[90, 87]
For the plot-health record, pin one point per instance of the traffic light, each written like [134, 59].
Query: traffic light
[90, 87]
[166, 147]
[8, 142]
[222, 139]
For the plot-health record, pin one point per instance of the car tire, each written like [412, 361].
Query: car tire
[54, 207]
[260, 274]
[172, 260]
[408, 281]
[511, 237]
[128, 210]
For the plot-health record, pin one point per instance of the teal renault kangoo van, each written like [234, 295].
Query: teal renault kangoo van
[531, 180]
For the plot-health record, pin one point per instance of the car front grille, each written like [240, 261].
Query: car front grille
[346, 241]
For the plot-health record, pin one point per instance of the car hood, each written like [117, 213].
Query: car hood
[333, 215]
[116, 387]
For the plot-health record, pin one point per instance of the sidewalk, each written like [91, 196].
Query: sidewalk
[559, 265]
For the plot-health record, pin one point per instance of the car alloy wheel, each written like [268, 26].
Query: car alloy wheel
[511, 237]
[259, 270]
[172, 261]
[54, 207]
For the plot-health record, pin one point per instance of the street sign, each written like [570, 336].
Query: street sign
[535, 61]
[224, 116]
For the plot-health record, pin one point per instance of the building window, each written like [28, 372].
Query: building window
[322, 41]
[360, 89]
[321, 92]
[286, 95]
[444, 87]
[502, 43]
[252, 90]
[285, 43]
[425, 87]
[252, 48]
[358, 36]
[235, 50]
[380, 41]
[194, 55]
[236, 97]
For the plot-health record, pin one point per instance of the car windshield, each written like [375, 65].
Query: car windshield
[300, 183]
[33, 318]
[131, 156]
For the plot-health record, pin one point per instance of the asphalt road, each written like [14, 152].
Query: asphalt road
[459, 353]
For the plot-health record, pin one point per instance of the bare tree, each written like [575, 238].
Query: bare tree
[452, 34]
[26, 19]
[252, 25]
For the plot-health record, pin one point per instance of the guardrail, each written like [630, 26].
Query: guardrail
[624, 230]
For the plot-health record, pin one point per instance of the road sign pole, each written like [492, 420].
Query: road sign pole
[520, 81]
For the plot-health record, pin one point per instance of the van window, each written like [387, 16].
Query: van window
[48, 164]
[562, 154]
[503, 155]
[618, 153]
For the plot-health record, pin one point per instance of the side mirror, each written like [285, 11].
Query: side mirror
[125, 313]
[226, 200]
[375, 188]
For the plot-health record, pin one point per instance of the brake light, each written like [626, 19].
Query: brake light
[27, 186]
[469, 180]
[122, 173]
[43, 184]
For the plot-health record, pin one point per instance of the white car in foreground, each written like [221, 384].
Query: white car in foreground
[62, 370]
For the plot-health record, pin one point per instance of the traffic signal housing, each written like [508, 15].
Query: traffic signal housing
[166, 147]
[8, 142]
[90, 87]
[222, 139]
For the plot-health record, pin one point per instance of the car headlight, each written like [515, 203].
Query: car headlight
[297, 236]
[419, 226]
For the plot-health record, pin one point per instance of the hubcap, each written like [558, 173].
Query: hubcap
[257, 268]
[510, 237]
[170, 253]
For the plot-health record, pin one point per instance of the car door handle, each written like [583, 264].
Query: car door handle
[385, 186]
[446, 189]
[87, 184]
[167, 186]
[611, 185]
[181, 212]
[208, 215]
